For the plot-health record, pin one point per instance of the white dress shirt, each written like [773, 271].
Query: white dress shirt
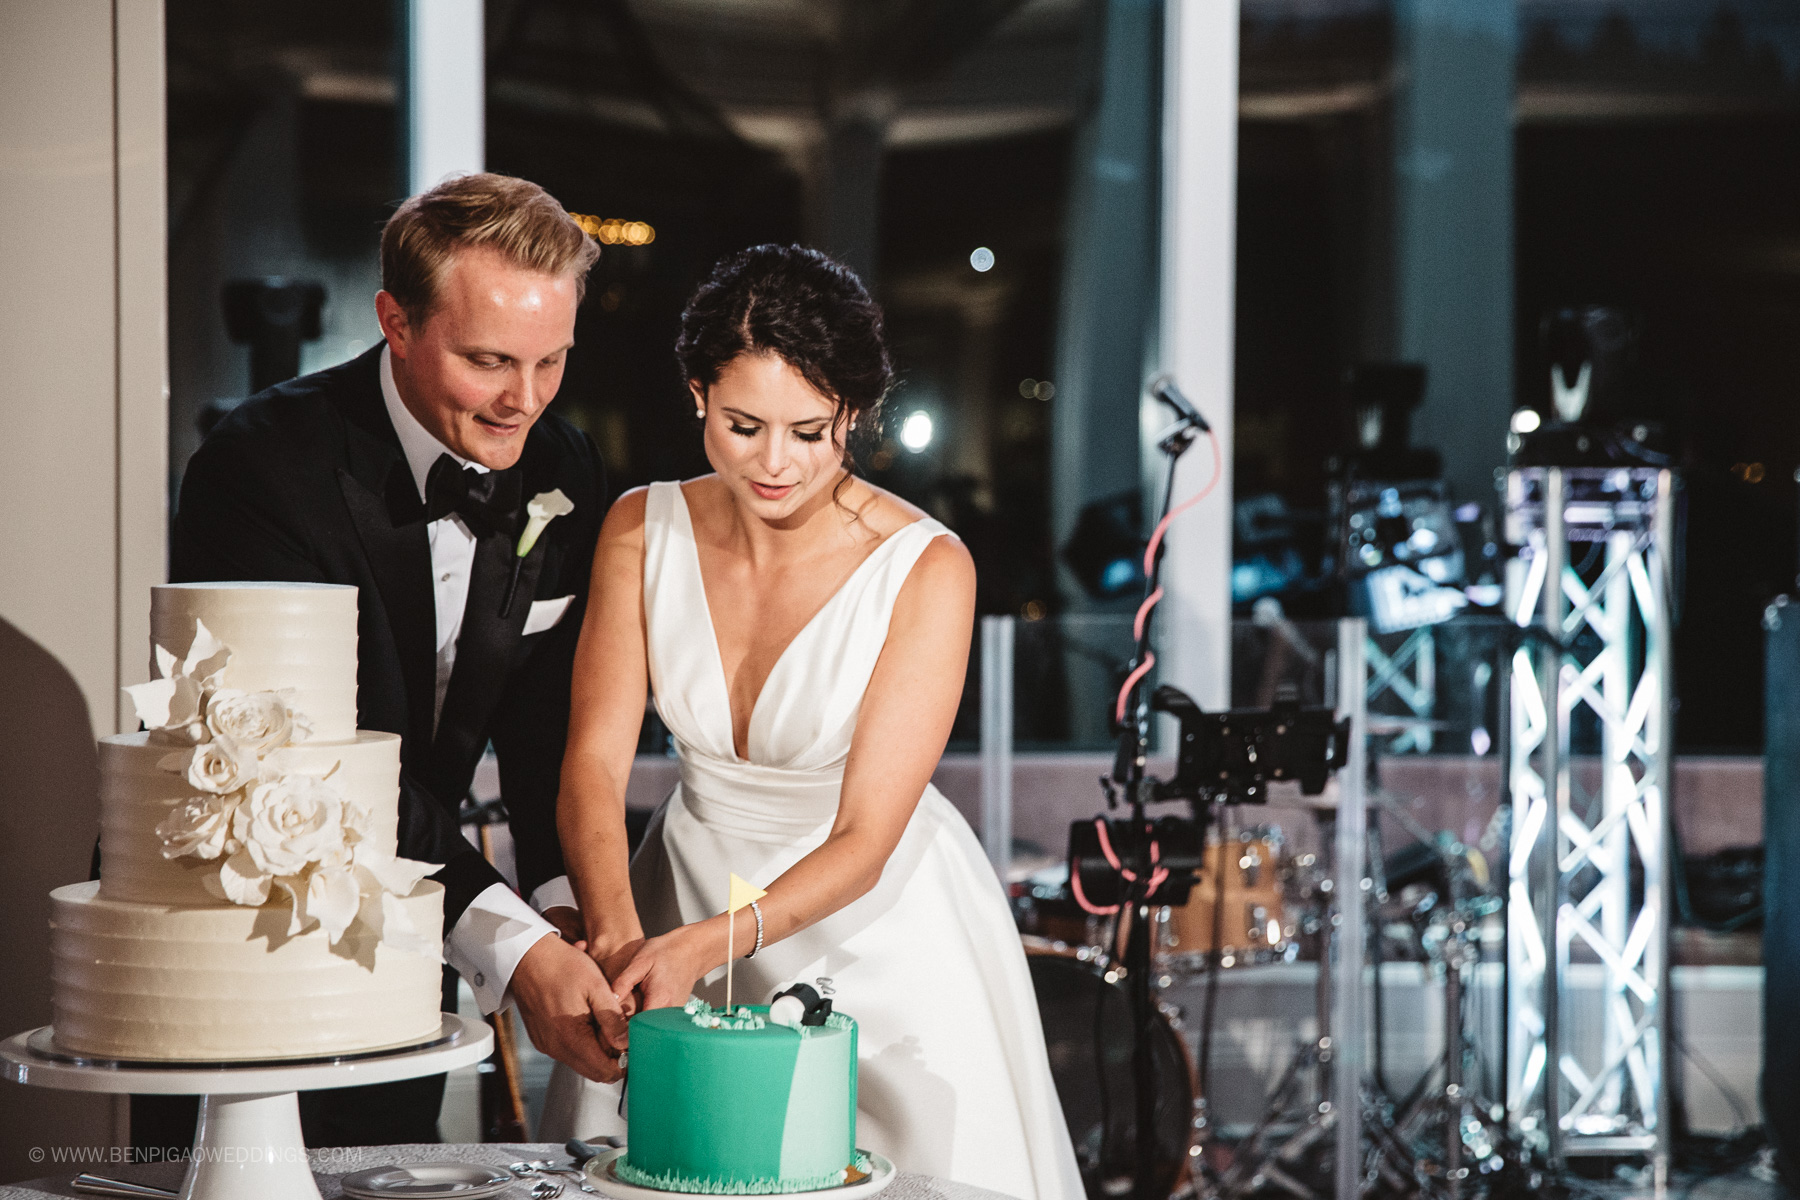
[497, 928]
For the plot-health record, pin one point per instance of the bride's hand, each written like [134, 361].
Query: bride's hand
[612, 959]
[613, 964]
[663, 970]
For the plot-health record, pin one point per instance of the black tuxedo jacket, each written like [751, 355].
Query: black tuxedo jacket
[306, 482]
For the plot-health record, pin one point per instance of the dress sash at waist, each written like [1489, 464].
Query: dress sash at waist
[759, 803]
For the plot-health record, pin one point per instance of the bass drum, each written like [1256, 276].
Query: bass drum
[1087, 1028]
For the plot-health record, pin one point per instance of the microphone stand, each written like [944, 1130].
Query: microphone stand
[1129, 770]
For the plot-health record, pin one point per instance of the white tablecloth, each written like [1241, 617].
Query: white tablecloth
[330, 1165]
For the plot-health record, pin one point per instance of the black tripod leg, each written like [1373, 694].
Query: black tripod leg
[1143, 1066]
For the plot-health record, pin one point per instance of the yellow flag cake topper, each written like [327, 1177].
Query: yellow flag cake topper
[742, 894]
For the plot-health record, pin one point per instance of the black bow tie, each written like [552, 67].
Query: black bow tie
[487, 501]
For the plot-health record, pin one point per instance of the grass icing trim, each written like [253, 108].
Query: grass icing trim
[668, 1181]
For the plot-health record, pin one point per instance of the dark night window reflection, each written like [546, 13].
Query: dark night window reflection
[992, 165]
[1654, 156]
[930, 145]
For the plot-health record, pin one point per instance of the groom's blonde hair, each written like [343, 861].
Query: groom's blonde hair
[513, 216]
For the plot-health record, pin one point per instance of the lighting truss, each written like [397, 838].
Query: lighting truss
[1592, 583]
[1410, 673]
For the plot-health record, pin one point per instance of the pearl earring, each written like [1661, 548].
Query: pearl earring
[699, 414]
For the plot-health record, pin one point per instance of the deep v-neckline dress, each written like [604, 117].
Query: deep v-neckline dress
[953, 1079]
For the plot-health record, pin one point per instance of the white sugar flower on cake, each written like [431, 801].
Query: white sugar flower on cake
[173, 706]
[267, 825]
[291, 822]
[200, 826]
[329, 897]
[218, 766]
[258, 721]
[297, 833]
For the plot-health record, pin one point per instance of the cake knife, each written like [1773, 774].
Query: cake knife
[99, 1185]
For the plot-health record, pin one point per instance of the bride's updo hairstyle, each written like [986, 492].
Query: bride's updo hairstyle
[807, 309]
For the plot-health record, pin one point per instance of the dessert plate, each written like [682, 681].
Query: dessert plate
[427, 1181]
[599, 1172]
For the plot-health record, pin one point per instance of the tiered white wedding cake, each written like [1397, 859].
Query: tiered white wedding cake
[250, 904]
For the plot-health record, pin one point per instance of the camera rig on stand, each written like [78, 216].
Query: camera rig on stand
[1342, 1136]
[1123, 866]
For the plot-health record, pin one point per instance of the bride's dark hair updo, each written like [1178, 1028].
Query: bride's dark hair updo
[802, 306]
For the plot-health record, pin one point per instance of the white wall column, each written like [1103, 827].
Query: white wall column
[82, 250]
[446, 90]
[1199, 263]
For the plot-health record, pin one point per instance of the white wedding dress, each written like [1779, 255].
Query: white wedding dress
[954, 1080]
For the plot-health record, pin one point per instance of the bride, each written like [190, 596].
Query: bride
[805, 637]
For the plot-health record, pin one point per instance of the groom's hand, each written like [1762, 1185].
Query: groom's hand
[569, 1009]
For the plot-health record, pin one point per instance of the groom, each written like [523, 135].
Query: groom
[413, 472]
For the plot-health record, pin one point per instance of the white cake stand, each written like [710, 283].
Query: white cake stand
[248, 1144]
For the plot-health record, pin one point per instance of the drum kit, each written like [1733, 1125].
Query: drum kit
[1259, 900]
[1146, 900]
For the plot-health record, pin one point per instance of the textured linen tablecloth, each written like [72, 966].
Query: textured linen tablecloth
[331, 1165]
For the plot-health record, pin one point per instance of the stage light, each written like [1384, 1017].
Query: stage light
[1118, 575]
[982, 259]
[915, 431]
[1107, 545]
[1526, 420]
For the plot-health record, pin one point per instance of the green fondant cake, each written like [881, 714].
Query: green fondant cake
[733, 1104]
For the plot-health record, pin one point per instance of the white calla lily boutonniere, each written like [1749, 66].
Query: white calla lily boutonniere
[540, 510]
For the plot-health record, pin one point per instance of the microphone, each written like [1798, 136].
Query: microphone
[1163, 388]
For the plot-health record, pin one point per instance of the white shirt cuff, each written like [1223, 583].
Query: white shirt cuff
[558, 893]
[488, 941]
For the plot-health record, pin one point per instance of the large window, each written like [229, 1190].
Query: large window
[1654, 151]
[989, 166]
[992, 166]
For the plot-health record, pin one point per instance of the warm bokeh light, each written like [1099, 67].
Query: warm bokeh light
[611, 231]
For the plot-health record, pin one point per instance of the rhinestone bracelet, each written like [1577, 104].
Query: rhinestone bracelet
[757, 909]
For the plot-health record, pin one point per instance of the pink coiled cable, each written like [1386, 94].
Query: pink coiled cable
[1150, 601]
[1158, 872]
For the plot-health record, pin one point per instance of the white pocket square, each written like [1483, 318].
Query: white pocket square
[545, 613]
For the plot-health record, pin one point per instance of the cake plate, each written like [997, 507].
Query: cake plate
[248, 1144]
[599, 1173]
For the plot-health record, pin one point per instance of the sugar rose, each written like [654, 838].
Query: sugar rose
[218, 766]
[201, 827]
[256, 721]
[289, 822]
